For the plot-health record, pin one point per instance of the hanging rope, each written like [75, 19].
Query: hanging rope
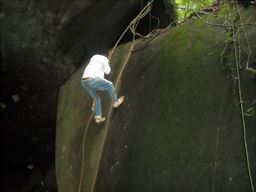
[132, 26]
[83, 148]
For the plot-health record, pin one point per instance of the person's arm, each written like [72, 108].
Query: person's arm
[107, 68]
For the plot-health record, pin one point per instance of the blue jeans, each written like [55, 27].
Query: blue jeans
[93, 85]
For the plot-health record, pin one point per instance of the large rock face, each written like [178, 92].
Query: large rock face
[42, 44]
[180, 128]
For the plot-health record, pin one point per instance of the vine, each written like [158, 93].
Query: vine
[233, 38]
[240, 90]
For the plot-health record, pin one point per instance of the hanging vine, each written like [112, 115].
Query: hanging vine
[235, 27]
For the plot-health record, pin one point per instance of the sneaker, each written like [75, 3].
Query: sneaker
[99, 119]
[118, 102]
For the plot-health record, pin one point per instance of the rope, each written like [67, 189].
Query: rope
[83, 148]
[108, 117]
[132, 26]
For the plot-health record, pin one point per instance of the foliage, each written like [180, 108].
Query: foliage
[186, 7]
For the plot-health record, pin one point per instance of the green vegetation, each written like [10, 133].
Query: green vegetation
[186, 7]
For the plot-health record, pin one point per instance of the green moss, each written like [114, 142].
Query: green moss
[174, 117]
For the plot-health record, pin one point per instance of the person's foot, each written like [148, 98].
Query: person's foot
[118, 102]
[99, 119]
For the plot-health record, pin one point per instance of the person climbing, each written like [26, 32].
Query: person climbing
[93, 81]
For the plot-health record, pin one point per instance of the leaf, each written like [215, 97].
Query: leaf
[249, 111]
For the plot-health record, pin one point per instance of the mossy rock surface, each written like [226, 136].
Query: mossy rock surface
[180, 127]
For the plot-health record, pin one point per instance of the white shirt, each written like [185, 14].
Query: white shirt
[97, 66]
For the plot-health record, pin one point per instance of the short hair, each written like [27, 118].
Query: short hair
[104, 52]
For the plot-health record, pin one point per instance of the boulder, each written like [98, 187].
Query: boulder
[181, 127]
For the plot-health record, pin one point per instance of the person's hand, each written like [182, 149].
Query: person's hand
[110, 54]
